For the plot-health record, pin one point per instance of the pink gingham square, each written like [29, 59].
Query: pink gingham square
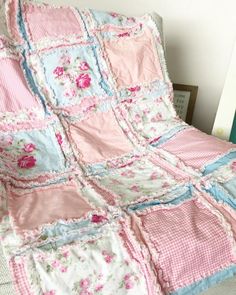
[187, 243]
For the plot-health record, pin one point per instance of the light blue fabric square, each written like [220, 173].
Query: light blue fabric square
[230, 186]
[103, 18]
[30, 153]
[74, 73]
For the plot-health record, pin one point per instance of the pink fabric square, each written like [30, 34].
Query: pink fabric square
[12, 19]
[134, 60]
[189, 242]
[14, 92]
[48, 21]
[228, 212]
[196, 148]
[41, 206]
[99, 138]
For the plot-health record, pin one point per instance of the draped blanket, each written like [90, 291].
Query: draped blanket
[104, 189]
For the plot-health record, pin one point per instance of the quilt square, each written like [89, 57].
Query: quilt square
[221, 193]
[19, 97]
[47, 21]
[31, 153]
[73, 269]
[70, 74]
[219, 201]
[138, 180]
[62, 201]
[196, 148]
[12, 7]
[230, 186]
[103, 18]
[99, 138]
[134, 61]
[185, 241]
[226, 175]
[149, 117]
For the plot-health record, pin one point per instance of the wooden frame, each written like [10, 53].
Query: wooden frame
[184, 100]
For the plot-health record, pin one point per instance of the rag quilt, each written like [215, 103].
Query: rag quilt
[104, 189]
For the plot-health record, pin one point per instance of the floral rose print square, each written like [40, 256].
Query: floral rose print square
[141, 179]
[31, 153]
[100, 266]
[72, 74]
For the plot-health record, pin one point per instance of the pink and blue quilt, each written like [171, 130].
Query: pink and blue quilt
[103, 188]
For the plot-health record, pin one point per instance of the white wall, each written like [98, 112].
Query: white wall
[222, 127]
[199, 35]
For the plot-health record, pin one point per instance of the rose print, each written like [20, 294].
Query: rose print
[65, 59]
[153, 176]
[70, 92]
[84, 283]
[146, 111]
[6, 141]
[85, 292]
[135, 188]
[126, 34]
[63, 269]
[59, 138]
[84, 66]
[98, 218]
[134, 89]
[131, 19]
[13, 152]
[29, 147]
[129, 281]
[83, 81]
[129, 174]
[26, 162]
[127, 276]
[108, 259]
[41, 257]
[137, 118]
[59, 71]
[165, 185]
[129, 285]
[98, 288]
[55, 264]
[114, 14]
[52, 292]
[107, 256]
[71, 76]
[233, 166]
[156, 118]
[65, 254]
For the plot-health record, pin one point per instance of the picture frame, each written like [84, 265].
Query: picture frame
[184, 101]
